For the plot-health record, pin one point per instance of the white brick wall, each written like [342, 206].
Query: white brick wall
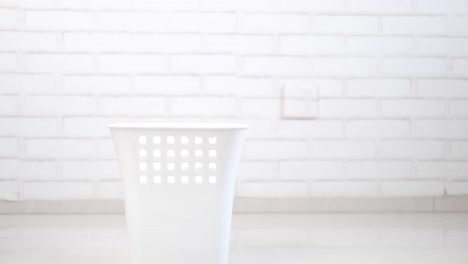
[59, 148]
[8, 62]
[371, 6]
[132, 63]
[386, 112]
[58, 63]
[199, 64]
[417, 25]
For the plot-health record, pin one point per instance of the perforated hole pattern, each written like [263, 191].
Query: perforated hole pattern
[177, 160]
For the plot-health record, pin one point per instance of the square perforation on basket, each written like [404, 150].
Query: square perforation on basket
[177, 159]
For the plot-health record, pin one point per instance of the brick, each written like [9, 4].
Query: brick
[415, 67]
[459, 149]
[459, 108]
[272, 189]
[343, 188]
[237, 5]
[105, 149]
[89, 42]
[280, 66]
[109, 170]
[379, 45]
[10, 84]
[310, 129]
[184, 85]
[255, 170]
[10, 41]
[38, 3]
[240, 86]
[352, 149]
[458, 25]
[456, 170]
[124, 105]
[130, 21]
[8, 104]
[370, 6]
[339, 24]
[460, 67]
[310, 5]
[38, 41]
[9, 3]
[88, 170]
[344, 66]
[204, 63]
[96, 84]
[10, 169]
[446, 88]
[308, 44]
[89, 126]
[260, 129]
[202, 22]
[166, 5]
[98, 4]
[8, 62]
[378, 129]
[59, 20]
[457, 188]
[430, 170]
[111, 190]
[448, 129]
[419, 149]
[274, 149]
[443, 7]
[53, 63]
[28, 41]
[245, 44]
[275, 23]
[58, 190]
[422, 25]
[39, 170]
[27, 83]
[260, 108]
[10, 147]
[24, 126]
[59, 148]
[443, 46]
[294, 88]
[133, 63]
[412, 188]
[347, 108]
[413, 108]
[378, 88]
[9, 190]
[9, 18]
[206, 106]
[307, 170]
[166, 42]
[378, 170]
[58, 105]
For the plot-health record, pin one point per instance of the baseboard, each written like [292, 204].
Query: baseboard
[353, 205]
[446, 204]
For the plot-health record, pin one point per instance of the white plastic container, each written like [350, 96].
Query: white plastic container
[179, 181]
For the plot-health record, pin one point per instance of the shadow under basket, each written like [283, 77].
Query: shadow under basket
[179, 181]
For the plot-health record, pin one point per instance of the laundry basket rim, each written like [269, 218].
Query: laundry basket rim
[178, 125]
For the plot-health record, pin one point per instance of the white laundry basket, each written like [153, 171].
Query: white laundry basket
[179, 183]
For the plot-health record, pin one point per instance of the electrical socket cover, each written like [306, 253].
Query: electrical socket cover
[300, 102]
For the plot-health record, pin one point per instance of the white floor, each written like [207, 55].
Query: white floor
[256, 239]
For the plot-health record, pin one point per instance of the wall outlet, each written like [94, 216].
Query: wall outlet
[300, 102]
